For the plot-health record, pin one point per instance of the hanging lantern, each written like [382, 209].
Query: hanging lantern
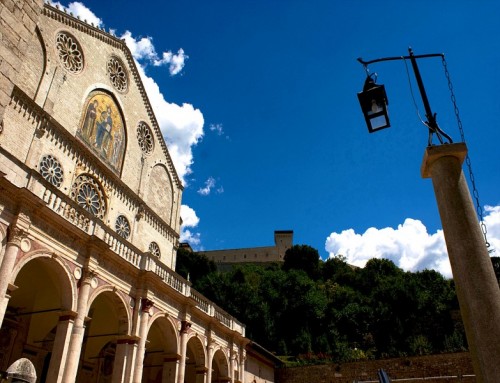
[373, 101]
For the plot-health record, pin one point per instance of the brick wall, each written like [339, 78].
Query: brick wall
[443, 368]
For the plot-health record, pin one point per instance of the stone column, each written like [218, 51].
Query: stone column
[15, 235]
[210, 355]
[170, 368]
[231, 366]
[146, 305]
[476, 285]
[242, 364]
[123, 346]
[182, 365]
[60, 347]
[75, 346]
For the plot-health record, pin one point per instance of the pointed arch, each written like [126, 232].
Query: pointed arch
[159, 193]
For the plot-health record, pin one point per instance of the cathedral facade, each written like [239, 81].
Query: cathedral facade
[90, 220]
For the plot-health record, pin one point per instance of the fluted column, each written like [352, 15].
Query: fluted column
[476, 285]
[76, 341]
[182, 365]
[146, 305]
[15, 235]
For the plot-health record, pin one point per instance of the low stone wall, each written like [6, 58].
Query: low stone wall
[441, 368]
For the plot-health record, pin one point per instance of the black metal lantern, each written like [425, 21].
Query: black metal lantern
[373, 101]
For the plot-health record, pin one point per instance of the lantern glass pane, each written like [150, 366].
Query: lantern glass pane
[378, 122]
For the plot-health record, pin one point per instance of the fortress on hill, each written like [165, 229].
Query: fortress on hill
[224, 259]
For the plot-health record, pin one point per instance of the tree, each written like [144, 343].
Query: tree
[303, 257]
[194, 265]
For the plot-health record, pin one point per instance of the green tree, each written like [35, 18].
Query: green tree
[303, 257]
[194, 265]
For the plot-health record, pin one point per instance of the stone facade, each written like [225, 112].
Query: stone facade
[90, 218]
[283, 240]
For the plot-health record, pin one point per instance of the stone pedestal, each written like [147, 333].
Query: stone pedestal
[475, 281]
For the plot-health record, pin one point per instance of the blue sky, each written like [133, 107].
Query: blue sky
[257, 102]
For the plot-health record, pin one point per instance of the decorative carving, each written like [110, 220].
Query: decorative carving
[51, 170]
[154, 249]
[15, 235]
[117, 74]
[145, 138]
[87, 192]
[70, 53]
[185, 326]
[122, 226]
[146, 304]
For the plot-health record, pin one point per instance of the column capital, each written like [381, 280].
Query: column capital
[435, 152]
[146, 304]
[15, 235]
[185, 326]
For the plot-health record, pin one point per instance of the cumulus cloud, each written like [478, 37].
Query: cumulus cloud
[189, 221]
[409, 246]
[81, 11]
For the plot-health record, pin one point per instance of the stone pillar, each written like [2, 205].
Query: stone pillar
[242, 365]
[210, 355]
[231, 366]
[60, 347]
[170, 368]
[123, 346]
[15, 235]
[75, 346]
[182, 365]
[476, 285]
[146, 305]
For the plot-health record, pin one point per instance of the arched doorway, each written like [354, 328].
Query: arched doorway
[35, 313]
[195, 361]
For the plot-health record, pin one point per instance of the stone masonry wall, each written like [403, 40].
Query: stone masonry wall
[18, 20]
[429, 369]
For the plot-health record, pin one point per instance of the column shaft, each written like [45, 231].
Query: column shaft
[475, 281]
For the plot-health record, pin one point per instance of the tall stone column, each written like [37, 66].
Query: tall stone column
[170, 368]
[232, 361]
[60, 347]
[476, 285]
[15, 235]
[75, 346]
[146, 305]
[123, 346]
[242, 364]
[182, 365]
[210, 355]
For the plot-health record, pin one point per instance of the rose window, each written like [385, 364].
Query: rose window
[122, 227]
[70, 53]
[145, 138]
[117, 74]
[154, 249]
[51, 170]
[87, 193]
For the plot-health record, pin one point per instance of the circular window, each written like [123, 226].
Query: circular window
[145, 138]
[117, 74]
[51, 170]
[122, 226]
[88, 194]
[70, 52]
[154, 249]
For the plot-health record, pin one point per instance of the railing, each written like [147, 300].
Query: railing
[66, 208]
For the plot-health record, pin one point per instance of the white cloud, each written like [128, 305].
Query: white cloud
[81, 11]
[409, 246]
[189, 220]
[175, 62]
[210, 184]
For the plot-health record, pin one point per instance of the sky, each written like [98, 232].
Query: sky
[257, 103]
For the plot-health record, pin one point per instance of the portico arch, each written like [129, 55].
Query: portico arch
[161, 358]
[108, 322]
[220, 367]
[195, 360]
[38, 314]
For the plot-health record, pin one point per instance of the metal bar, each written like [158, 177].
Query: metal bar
[423, 94]
[38, 312]
[365, 63]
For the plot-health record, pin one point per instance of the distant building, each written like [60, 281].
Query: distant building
[224, 259]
